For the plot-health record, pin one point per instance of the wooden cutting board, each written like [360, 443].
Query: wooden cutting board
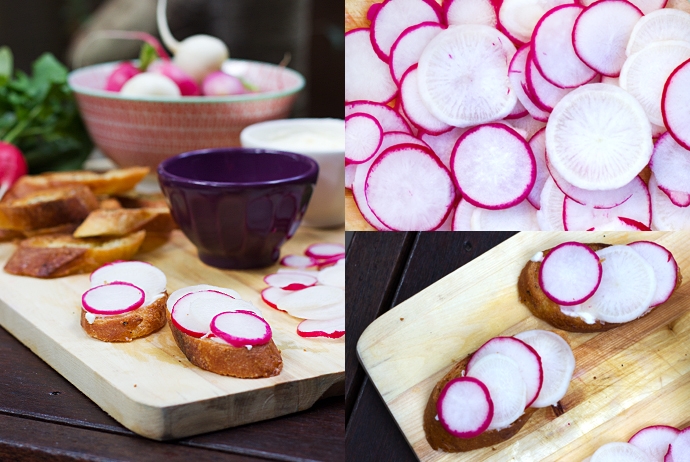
[148, 385]
[625, 379]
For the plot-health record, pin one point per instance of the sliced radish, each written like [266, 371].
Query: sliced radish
[619, 452]
[143, 275]
[390, 120]
[519, 17]
[528, 124]
[520, 217]
[462, 218]
[409, 46]
[518, 111]
[325, 250]
[633, 225]
[394, 16]
[679, 198]
[414, 107]
[241, 329]
[318, 302]
[331, 328]
[601, 34]
[443, 144]
[363, 135]
[538, 145]
[664, 266]
[545, 94]
[350, 171]
[570, 273]
[113, 298]
[366, 76]
[290, 281]
[666, 216]
[179, 293]
[517, 75]
[271, 295]
[598, 137]
[553, 51]
[502, 377]
[333, 276]
[674, 104]
[658, 26]
[463, 75]
[670, 164]
[493, 166]
[558, 363]
[655, 440]
[192, 313]
[645, 73]
[297, 261]
[417, 175]
[527, 359]
[680, 447]
[458, 12]
[550, 214]
[464, 407]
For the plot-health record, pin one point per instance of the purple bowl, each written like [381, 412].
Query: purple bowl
[238, 205]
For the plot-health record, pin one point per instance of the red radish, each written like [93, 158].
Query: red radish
[12, 166]
[186, 84]
[462, 218]
[664, 266]
[666, 216]
[318, 302]
[538, 146]
[192, 313]
[331, 328]
[333, 276]
[658, 26]
[601, 34]
[289, 281]
[241, 329]
[179, 293]
[570, 273]
[598, 137]
[390, 120]
[558, 363]
[680, 447]
[442, 144]
[520, 217]
[670, 164]
[221, 84]
[407, 49]
[493, 166]
[150, 84]
[464, 407]
[394, 16]
[551, 201]
[644, 74]
[416, 174]
[674, 104]
[363, 136]
[122, 73]
[366, 76]
[475, 60]
[297, 261]
[503, 379]
[325, 250]
[655, 440]
[112, 299]
[527, 359]
[519, 17]
[553, 51]
[271, 295]
[619, 452]
[518, 79]
[144, 275]
[414, 108]
[546, 95]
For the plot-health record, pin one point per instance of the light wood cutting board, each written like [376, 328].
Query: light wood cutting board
[625, 379]
[148, 385]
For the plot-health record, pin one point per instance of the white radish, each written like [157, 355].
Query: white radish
[331, 328]
[150, 84]
[464, 407]
[655, 440]
[545, 94]
[666, 216]
[192, 313]
[333, 276]
[620, 452]
[550, 213]
[143, 275]
[414, 108]
[558, 363]
[363, 135]
[518, 79]
[680, 447]
[664, 266]
[674, 104]
[502, 378]
[493, 166]
[670, 164]
[443, 144]
[519, 217]
[290, 281]
[482, 12]
[409, 47]
[537, 144]
[526, 358]
[658, 26]
[179, 293]
[390, 120]
[462, 218]
[366, 76]
[112, 299]
[570, 273]
[241, 329]
[463, 75]
[519, 17]
[318, 302]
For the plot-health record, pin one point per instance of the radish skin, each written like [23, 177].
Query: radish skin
[219, 83]
[464, 407]
[122, 73]
[150, 84]
[112, 299]
[184, 81]
[12, 166]
[241, 329]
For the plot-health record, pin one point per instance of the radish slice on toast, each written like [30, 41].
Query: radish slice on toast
[331, 328]
[192, 313]
[464, 407]
[666, 216]
[658, 26]
[363, 135]
[241, 329]
[675, 101]
[179, 293]
[409, 47]
[111, 299]
[664, 266]
[619, 452]
[655, 440]
[366, 76]
[143, 275]
[679, 198]
[570, 273]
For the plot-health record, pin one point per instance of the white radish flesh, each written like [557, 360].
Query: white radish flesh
[297, 261]
[331, 328]
[679, 198]
[570, 273]
[550, 213]
[462, 218]
[519, 17]
[538, 146]
[325, 250]
[241, 329]
[179, 293]
[366, 76]
[192, 314]
[666, 216]
[619, 452]
[390, 120]
[318, 302]
[443, 144]
[463, 75]
[546, 95]
[655, 440]
[558, 363]
[112, 299]
[143, 275]
[363, 135]
[150, 84]
[493, 166]
[271, 295]
[598, 137]
[409, 47]
[519, 217]
[464, 407]
[658, 26]
[670, 164]
[675, 101]
[458, 12]
[414, 108]
[333, 276]
[518, 79]
[185, 82]
[680, 447]
[527, 359]
[290, 281]
[528, 124]
[664, 266]
[502, 377]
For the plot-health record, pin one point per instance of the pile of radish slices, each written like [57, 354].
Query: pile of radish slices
[657, 443]
[504, 377]
[519, 115]
[315, 295]
[616, 284]
[122, 286]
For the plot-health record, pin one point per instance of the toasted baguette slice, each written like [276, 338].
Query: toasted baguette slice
[57, 255]
[531, 295]
[439, 438]
[137, 200]
[48, 208]
[127, 326]
[119, 222]
[221, 358]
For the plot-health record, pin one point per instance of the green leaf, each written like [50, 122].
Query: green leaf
[6, 62]
[146, 56]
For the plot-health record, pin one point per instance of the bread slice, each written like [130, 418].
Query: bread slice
[439, 438]
[127, 326]
[258, 362]
[120, 222]
[531, 295]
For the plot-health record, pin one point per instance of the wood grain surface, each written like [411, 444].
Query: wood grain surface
[148, 385]
[625, 379]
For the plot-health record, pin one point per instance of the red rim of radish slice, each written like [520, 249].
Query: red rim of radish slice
[518, 79]
[193, 312]
[290, 281]
[570, 273]
[241, 328]
[414, 108]
[408, 47]
[679, 450]
[140, 273]
[538, 145]
[461, 398]
[664, 266]
[179, 293]
[271, 295]
[655, 440]
[325, 250]
[678, 123]
[330, 328]
[390, 120]
[545, 94]
[371, 80]
[132, 297]
[363, 136]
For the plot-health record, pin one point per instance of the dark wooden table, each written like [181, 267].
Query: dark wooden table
[383, 270]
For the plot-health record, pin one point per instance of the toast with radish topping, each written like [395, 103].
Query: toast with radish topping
[127, 326]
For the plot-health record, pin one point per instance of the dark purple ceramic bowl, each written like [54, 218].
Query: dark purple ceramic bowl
[238, 205]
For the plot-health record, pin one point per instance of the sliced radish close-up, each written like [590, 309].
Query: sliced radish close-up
[464, 407]
[271, 295]
[570, 273]
[179, 293]
[675, 101]
[679, 450]
[143, 275]
[664, 266]
[111, 299]
[390, 120]
[290, 281]
[241, 329]
[192, 313]
[318, 302]
[415, 109]
[366, 75]
[618, 452]
[330, 328]
[657, 26]
[655, 440]
[519, 17]
[409, 47]
[363, 135]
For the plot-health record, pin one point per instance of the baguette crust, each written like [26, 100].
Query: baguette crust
[119, 222]
[259, 362]
[127, 326]
[439, 438]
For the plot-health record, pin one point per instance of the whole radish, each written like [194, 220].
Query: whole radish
[122, 73]
[198, 55]
[12, 166]
[186, 84]
[221, 84]
[150, 84]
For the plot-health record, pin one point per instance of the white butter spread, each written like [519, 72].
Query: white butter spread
[539, 256]
[575, 312]
[306, 138]
[90, 317]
